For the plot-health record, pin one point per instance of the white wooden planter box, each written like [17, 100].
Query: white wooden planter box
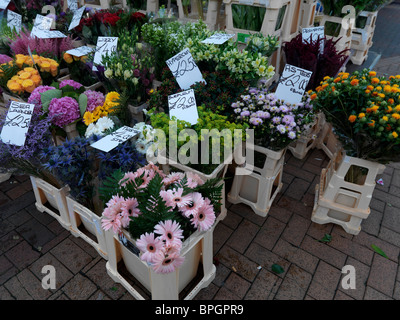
[259, 188]
[56, 198]
[307, 13]
[197, 250]
[5, 176]
[345, 35]
[8, 97]
[80, 215]
[343, 202]
[328, 142]
[362, 38]
[137, 113]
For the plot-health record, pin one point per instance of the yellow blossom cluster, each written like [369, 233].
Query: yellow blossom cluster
[110, 102]
[26, 80]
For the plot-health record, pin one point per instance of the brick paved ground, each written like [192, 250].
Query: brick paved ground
[245, 247]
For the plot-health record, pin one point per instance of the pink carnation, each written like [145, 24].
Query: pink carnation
[69, 82]
[64, 110]
[35, 97]
[95, 99]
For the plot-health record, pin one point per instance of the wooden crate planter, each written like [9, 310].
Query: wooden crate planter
[327, 140]
[197, 250]
[343, 202]
[307, 13]
[259, 188]
[81, 216]
[136, 112]
[55, 199]
[8, 97]
[362, 37]
[212, 17]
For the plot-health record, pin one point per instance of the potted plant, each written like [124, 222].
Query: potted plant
[156, 224]
[363, 110]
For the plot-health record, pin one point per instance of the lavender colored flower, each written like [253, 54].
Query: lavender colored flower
[237, 110]
[287, 119]
[245, 113]
[255, 121]
[281, 128]
[95, 99]
[292, 135]
[64, 110]
[69, 82]
[276, 120]
[35, 97]
[283, 108]
[253, 90]
[234, 105]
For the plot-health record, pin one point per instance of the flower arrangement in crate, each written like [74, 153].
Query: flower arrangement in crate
[275, 123]
[80, 69]
[218, 94]
[207, 121]
[160, 211]
[365, 113]
[307, 55]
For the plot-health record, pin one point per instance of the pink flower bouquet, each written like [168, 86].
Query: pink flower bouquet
[160, 211]
[64, 111]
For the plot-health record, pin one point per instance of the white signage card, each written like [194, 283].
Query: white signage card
[183, 106]
[14, 20]
[105, 45]
[48, 34]
[80, 51]
[76, 19]
[218, 38]
[17, 123]
[184, 69]
[41, 23]
[292, 84]
[4, 4]
[73, 5]
[313, 34]
[115, 138]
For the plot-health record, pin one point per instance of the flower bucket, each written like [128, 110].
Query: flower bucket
[8, 97]
[78, 43]
[136, 112]
[51, 200]
[342, 200]
[71, 131]
[81, 216]
[197, 251]
[259, 187]
[5, 176]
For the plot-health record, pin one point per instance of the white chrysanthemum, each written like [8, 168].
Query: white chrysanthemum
[104, 123]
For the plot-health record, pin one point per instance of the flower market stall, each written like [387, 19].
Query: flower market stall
[138, 127]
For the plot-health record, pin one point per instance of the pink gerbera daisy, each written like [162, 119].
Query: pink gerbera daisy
[150, 246]
[193, 180]
[113, 223]
[196, 202]
[174, 198]
[129, 208]
[171, 232]
[172, 178]
[205, 217]
[166, 263]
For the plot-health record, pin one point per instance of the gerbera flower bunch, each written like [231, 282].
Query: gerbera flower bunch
[275, 122]
[160, 211]
[364, 110]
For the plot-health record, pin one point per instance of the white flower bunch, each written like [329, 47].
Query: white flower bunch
[146, 137]
[99, 127]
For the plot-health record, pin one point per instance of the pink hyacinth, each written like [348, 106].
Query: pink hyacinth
[35, 97]
[95, 99]
[64, 111]
[69, 82]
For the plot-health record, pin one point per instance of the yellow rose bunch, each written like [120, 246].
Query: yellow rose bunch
[68, 58]
[26, 80]
[110, 102]
[44, 64]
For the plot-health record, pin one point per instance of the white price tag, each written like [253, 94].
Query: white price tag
[183, 106]
[40, 24]
[73, 5]
[218, 38]
[4, 4]
[80, 51]
[49, 34]
[14, 20]
[76, 19]
[184, 69]
[105, 45]
[17, 123]
[313, 34]
[115, 138]
[292, 84]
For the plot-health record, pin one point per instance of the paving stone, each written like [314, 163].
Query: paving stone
[294, 285]
[79, 288]
[342, 296]
[389, 199]
[5, 294]
[19, 218]
[35, 233]
[207, 293]
[71, 255]
[391, 218]
[280, 213]
[237, 285]
[17, 290]
[297, 188]
[383, 275]
[246, 212]
[224, 294]
[362, 273]
[22, 255]
[270, 232]
[372, 294]
[33, 285]
[10, 240]
[296, 229]
[390, 236]
[16, 192]
[262, 286]
[302, 174]
[5, 227]
[377, 204]
[243, 236]
[5, 264]
[325, 282]
[220, 236]
[232, 220]
[372, 224]
[10, 208]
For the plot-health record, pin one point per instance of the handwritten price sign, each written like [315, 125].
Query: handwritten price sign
[14, 20]
[4, 4]
[73, 5]
[292, 84]
[115, 138]
[76, 19]
[17, 123]
[218, 38]
[105, 45]
[41, 23]
[184, 69]
[312, 34]
[183, 106]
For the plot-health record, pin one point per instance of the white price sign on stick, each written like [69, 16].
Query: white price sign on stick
[4, 4]
[105, 45]
[218, 38]
[115, 138]
[184, 69]
[14, 20]
[73, 5]
[76, 19]
[292, 84]
[17, 123]
[80, 51]
[313, 34]
[183, 106]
